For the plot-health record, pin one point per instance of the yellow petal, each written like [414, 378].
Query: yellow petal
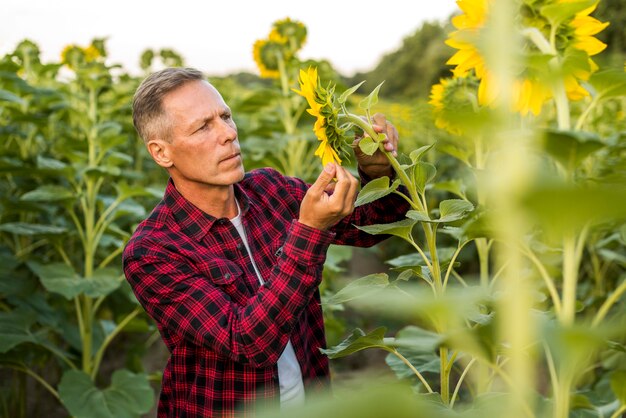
[590, 45]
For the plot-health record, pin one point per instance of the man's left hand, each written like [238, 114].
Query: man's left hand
[377, 165]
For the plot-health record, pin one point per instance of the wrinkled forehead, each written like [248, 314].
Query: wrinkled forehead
[193, 97]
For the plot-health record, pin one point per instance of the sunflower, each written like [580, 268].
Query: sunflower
[453, 106]
[321, 105]
[530, 90]
[283, 42]
[266, 55]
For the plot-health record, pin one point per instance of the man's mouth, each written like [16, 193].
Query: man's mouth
[231, 156]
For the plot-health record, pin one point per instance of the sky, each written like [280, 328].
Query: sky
[217, 36]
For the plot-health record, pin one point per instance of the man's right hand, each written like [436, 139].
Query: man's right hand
[327, 202]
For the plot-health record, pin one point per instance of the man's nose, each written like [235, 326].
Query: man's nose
[228, 131]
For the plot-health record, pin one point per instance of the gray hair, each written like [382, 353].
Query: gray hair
[149, 117]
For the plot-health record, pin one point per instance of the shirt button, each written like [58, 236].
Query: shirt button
[239, 246]
[227, 276]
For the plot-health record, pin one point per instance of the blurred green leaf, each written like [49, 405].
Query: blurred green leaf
[361, 287]
[566, 207]
[358, 341]
[59, 278]
[559, 12]
[418, 339]
[48, 194]
[609, 83]
[7, 96]
[15, 329]
[103, 282]
[618, 385]
[128, 396]
[375, 189]
[570, 148]
[23, 228]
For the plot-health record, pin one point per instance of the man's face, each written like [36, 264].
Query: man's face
[203, 147]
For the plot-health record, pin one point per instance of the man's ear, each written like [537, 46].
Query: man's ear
[160, 152]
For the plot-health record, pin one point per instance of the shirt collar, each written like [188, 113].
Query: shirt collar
[193, 221]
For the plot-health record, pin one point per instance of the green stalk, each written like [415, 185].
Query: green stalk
[458, 383]
[604, 309]
[619, 412]
[109, 338]
[38, 378]
[413, 369]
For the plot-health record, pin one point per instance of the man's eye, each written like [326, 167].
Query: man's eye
[226, 116]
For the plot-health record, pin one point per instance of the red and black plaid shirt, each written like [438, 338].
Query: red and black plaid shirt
[225, 331]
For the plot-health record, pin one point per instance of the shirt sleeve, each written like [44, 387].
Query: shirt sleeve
[189, 304]
[388, 209]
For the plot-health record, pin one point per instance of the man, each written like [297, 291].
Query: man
[228, 263]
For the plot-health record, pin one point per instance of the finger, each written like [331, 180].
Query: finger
[342, 186]
[351, 192]
[330, 189]
[324, 179]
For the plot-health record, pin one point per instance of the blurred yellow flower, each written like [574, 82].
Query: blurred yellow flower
[283, 42]
[265, 55]
[532, 88]
[321, 106]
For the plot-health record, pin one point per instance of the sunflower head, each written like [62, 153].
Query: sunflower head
[266, 55]
[75, 56]
[282, 44]
[454, 104]
[567, 23]
[290, 32]
[322, 105]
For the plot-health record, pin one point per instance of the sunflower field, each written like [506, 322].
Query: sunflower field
[501, 294]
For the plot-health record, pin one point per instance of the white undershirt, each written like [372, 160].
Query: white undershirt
[289, 373]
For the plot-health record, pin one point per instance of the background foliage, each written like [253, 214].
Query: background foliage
[76, 180]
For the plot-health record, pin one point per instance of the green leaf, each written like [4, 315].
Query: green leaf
[618, 385]
[417, 339]
[7, 96]
[375, 189]
[566, 207]
[449, 210]
[48, 194]
[344, 97]
[59, 278]
[559, 12]
[368, 145]
[609, 83]
[424, 363]
[15, 329]
[358, 341]
[400, 229]
[23, 228]
[454, 209]
[570, 148]
[124, 191]
[362, 287]
[129, 395]
[370, 100]
[103, 282]
[423, 173]
[456, 187]
[416, 155]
